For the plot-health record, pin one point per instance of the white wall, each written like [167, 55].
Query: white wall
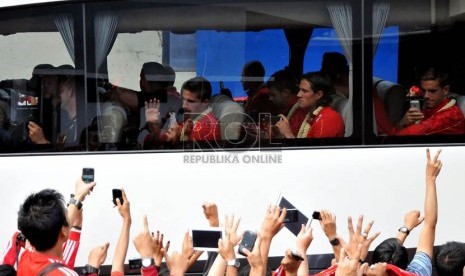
[383, 184]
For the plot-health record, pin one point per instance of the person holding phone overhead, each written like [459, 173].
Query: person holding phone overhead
[320, 121]
[440, 115]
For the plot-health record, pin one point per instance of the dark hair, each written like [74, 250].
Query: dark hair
[41, 218]
[436, 74]
[200, 86]
[7, 270]
[255, 69]
[171, 74]
[450, 259]
[157, 75]
[333, 64]
[283, 79]
[392, 252]
[320, 82]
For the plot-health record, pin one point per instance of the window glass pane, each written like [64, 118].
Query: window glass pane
[39, 97]
[418, 71]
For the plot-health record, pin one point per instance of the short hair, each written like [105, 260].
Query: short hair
[254, 68]
[450, 259]
[200, 86]
[41, 218]
[392, 252]
[283, 79]
[7, 270]
[171, 74]
[321, 82]
[436, 74]
[333, 64]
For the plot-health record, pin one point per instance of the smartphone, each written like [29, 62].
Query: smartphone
[271, 119]
[316, 215]
[206, 239]
[88, 175]
[296, 256]
[415, 104]
[117, 193]
[248, 241]
[292, 215]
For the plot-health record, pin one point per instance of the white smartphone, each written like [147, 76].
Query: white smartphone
[415, 104]
[206, 239]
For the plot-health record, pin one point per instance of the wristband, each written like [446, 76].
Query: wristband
[75, 202]
[88, 269]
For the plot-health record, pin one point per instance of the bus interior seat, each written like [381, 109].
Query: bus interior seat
[393, 96]
[229, 115]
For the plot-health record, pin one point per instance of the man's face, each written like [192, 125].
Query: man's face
[307, 97]
[192, 104]
[276, 97]
[49, 86]
[434, 93]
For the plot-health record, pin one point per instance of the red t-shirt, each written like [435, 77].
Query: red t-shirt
[205, 129]
[33, 262]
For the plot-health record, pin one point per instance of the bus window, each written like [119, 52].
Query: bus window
[238, 52]
[41, 89]
[418, 68]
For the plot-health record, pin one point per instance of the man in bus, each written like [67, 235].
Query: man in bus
[252, 79]
[440, 115]
[283, 89]
[199, 122]
[320, 121]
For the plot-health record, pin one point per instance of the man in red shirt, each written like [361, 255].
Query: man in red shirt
[441, 114]
[199, 122]
[45, 222]
[321, 121]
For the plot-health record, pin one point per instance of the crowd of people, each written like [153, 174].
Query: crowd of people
[49, 234]
[285, 106]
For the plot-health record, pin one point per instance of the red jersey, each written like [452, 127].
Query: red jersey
[33, 262]
[328, 123]
[442, 119]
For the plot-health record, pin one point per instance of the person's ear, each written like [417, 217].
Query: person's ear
[319, 94]
[446, 89]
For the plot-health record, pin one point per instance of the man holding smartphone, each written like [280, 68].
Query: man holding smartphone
[440, 115]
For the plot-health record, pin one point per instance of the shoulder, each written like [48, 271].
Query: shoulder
[62, 271]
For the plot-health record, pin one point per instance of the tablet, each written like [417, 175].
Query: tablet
[206, 239]
[294, 225]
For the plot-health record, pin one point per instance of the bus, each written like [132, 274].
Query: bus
[103, 46]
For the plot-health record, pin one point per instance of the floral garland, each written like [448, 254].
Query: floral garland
[184, 137]
[306, 124]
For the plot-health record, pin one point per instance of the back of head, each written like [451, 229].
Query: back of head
[321, 82]
[171, 74]
[392, 252]
[334, 64]
[7, 270]
[283, 79]
[254, 69]
[41, 218]
[450, 259]
[200, 86]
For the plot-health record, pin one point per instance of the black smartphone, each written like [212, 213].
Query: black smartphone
[248, 241]
[135, 264]
[271, 119]
[296, 256]
[292, 215]
[316, 215]
[88, 175]
[117, 193]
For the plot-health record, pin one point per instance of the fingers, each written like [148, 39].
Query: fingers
[359, 224]
[372, 238]
[368, 228]
[436, 156]
[125, 199]
[350, 226]
[146, 224]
